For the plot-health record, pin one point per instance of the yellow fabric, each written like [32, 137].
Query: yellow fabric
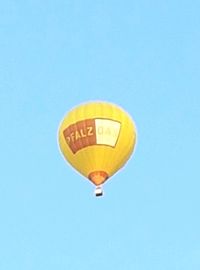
[100, 157]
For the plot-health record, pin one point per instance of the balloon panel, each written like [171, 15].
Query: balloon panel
[90, 132]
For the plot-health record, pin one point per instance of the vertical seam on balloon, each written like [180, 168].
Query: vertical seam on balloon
[118, 157]
[132, 126]
[124, 121]
[104, 152]
[126, 146]
[75, 117]
[113, 152]
[87, 157]
[92, 149]
[87, 139]
[81, 115]
[79, 142]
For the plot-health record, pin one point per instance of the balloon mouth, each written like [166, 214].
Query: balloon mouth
[98, 177]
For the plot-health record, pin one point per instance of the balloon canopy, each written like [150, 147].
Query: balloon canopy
[97, 139]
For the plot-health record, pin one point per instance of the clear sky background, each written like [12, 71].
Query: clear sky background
[143, 55]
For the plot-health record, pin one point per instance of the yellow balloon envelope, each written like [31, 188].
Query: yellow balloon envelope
[97, 139]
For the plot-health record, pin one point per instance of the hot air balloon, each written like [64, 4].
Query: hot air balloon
[97, 139]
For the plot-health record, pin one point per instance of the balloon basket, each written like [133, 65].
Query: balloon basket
[98, 191]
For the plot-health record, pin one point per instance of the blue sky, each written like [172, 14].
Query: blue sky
[143, 55]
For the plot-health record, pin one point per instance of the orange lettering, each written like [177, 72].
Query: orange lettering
[77, 135]
[83, 135]
[90, 131]
[68, 140]
[72, 136]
